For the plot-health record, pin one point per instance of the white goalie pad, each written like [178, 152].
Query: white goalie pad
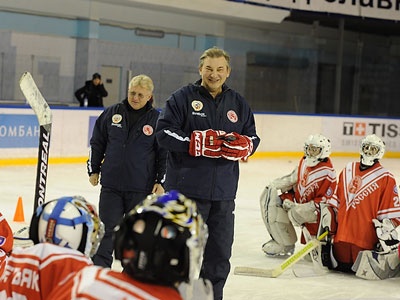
[276, 218]
[372, 265]
[285, 183]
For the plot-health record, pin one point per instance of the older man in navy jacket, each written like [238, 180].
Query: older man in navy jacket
[207, 128]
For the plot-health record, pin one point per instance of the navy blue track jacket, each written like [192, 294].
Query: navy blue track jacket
[193, 108]
[132, 159]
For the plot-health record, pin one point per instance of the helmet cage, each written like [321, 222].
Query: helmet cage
[316, 148]
[372, 149]
[65, 222]
[161, 240]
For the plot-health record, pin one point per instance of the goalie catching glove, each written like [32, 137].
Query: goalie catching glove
[206, 143]
[236, 146]
[300, 213]
[388, 234]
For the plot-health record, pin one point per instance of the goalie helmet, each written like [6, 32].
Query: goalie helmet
[162, 240]
[69, 222]
[372, 149]
[316, 148]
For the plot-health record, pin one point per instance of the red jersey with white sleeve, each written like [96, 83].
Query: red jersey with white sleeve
[31, 273]
[316, 183]
[360, 197]
[97, 283]
[6, 241]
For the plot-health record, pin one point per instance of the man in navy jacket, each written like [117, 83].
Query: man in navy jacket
[207, 128]
[125, 152]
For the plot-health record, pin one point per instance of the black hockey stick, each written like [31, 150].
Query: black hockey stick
[44, 115]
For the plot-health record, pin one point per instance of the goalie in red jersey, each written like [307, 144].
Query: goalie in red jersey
[303, 194]
[368, 216]
[6, 241]
[65, 233]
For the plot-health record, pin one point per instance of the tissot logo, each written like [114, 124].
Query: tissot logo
[350, 128]
[363, 128]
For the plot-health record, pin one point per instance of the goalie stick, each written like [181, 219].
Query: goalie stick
[290, 261]
[315, 255]
[44, 116]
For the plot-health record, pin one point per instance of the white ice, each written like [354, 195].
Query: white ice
[250, 232]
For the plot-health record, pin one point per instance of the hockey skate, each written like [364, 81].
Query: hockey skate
[272, 248]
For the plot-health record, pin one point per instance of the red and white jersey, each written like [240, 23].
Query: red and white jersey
[316, 183]
[31, 273]
[6, 241]
[97, 283]
[360, 197]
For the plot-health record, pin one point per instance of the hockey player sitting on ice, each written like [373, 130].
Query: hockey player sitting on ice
[303, 193]
[66, 233]
[6, 241]
[368, 215]
[160, 244]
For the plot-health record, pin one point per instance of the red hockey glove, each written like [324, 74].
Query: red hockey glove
[236, 146]
[206, 143]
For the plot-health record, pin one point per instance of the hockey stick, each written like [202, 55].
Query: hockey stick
[290, 261]
[315, 255]
[44, 116]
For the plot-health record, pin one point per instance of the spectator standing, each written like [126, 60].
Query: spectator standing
[207, 128]
[125, 152]
[92, 93]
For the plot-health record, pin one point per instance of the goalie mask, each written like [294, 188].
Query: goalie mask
[69, 222]
[162, 240]
[372, 149]
[316, 148]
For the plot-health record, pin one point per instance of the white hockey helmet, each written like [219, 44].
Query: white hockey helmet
[162, 239]
[69, 222]
[316, 148]
[372, 149]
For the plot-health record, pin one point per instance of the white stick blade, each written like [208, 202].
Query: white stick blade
[259, 272]
[35, 99]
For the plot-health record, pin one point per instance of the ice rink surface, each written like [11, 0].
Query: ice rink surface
[250, 232]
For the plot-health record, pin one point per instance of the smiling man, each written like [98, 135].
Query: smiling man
[125, 157]
[207, 128]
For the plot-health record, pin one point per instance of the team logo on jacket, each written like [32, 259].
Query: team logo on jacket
[117, 118]
[197, 105]
[354, 184]
[147, 130]
[232, 116]
[329, 192]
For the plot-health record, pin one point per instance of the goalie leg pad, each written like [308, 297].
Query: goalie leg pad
[372, 265]
[276, 219]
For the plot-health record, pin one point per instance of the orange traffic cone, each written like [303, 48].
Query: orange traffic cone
[19, 211]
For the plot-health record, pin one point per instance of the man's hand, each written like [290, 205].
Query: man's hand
[206, 143]
[94, 179]
[157, 189]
